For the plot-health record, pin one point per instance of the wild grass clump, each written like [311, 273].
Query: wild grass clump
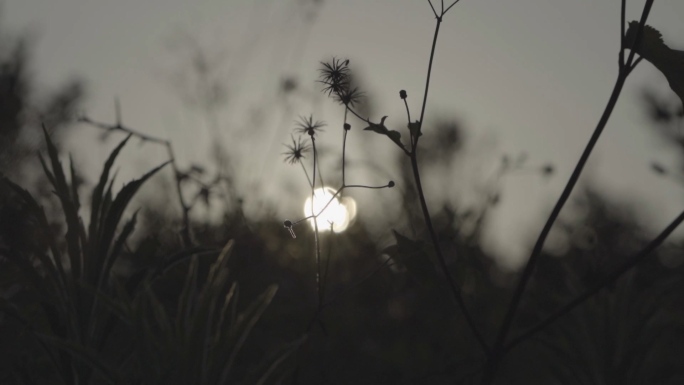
[89, 324]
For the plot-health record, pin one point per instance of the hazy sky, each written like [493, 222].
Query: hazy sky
[524, 75]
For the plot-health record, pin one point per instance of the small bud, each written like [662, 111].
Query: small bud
[288, 225]
[402, 94]
[347, 126]
[390, 184]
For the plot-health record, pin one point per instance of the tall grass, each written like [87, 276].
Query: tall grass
[96, 326]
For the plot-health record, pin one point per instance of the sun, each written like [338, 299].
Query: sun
[339, 212]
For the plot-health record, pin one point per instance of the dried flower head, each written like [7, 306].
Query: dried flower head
[335, 76]
[349, 97]
[308, 126]
[295, 152]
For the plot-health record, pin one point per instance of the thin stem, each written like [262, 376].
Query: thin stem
[536, 251]
[185, 208]
[624, 72]
[308, 179]
[327, 261]
[320, 175]
[315, 221]
[366, 187]
[456, 291]
[408, 115]
[622, 33]
[333, 198]
[617, 274]
[636, 63]
[448, 8]
[427, 80]
[640, 30]
[344, 144]
[433, 8]
[185, 230]
[358, 116]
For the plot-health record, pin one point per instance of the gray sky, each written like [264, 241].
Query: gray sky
[524, 75]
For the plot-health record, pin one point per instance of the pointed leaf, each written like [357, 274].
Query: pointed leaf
[652, 48]
[98, 198]
[380, 128]
[115, 212]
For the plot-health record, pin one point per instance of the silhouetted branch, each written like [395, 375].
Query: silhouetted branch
[617, 274]
[185, 208]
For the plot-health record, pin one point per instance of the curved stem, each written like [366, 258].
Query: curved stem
[617, 274]
[344, 144]
[456, 291]
[413, 155]
[315, 221]
[427, 80]
[539, 244]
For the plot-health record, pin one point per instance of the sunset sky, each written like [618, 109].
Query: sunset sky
[522, 76]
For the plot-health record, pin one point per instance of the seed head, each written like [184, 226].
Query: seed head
[349, 97]
[335, 76]
[295, 152]
[308, 126]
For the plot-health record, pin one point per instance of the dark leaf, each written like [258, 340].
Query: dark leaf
[652, 48]
[395, 136]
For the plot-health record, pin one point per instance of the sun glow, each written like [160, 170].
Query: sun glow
[340, 212]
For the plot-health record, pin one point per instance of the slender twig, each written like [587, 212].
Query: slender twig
[408, 116]
[622, 33]
[408, 112]
[456, 291]
[344, 144]
[320, 174]
[327, 261]
[614, 276]
[332, 198]
[636, 63]
[640, 30]
[185, 208]
[536, 251]
[448, 8]
[315, 223]
[433, 8]
[427, 81]
[538, 246]
[307, 174]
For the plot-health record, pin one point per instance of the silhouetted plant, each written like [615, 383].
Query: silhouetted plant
[338, 83]
[96, 326]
